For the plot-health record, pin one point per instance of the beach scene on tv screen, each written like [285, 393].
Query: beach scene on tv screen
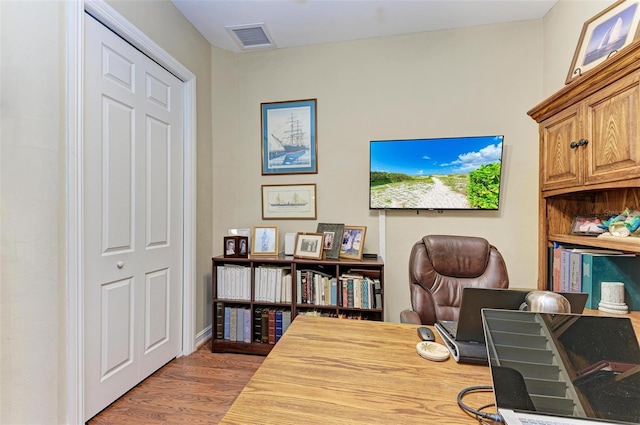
[447, 173]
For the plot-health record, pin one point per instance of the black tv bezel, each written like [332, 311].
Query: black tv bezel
[443, 208]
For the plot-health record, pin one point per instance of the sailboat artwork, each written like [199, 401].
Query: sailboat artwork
[610, 36]
[289, 201]
[289, 137]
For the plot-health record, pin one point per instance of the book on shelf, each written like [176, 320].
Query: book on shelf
[271, 335]
[247, 325]
[278, 325]
[219, 320]
[227, 323]
[233, 325]
[286, 320]
[239, 324]
[265, 326]
[257, 324]
[378, 293]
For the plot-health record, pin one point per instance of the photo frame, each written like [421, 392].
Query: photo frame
[309, 245]
[353, 242]
[265, 240]
[243, 246]
[242, 232]
[587, 225]
[603, 35]
[230, 247]
[332, 239]
[289, 143]
[289, 201]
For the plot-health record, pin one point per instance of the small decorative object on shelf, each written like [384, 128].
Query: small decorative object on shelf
[231, 246]
[265, 240]
[624, 224]
[353, 242]
[612, 300]
[332, 239]
[256, 298]
[587, 225]
[309, 245]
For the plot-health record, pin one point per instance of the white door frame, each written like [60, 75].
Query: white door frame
[74, 294]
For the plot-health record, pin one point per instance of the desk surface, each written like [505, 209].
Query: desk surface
[347, 371]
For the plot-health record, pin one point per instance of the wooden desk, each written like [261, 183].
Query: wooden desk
[357, 372]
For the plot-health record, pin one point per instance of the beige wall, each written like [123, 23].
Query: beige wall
[31, 189]
[562, 27]
[474, 81]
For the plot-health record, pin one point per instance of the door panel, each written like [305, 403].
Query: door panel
[133, 219]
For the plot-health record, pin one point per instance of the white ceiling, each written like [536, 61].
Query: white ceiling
[303, 22]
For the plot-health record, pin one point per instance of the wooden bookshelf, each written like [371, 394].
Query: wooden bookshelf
[248, 293]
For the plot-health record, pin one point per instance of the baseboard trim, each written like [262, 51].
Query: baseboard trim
[203, 336]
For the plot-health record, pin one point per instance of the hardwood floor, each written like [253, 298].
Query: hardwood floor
[196, 389]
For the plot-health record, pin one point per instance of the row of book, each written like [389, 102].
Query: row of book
[271, 284]
[355, 315]
[347, 291]
[241, 324]
[576, 269]
[233, 282]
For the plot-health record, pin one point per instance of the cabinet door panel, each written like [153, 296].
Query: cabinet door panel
[559, 163]
[613, 152]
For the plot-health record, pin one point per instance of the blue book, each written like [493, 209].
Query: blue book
[227, 322]
[278, 325]
[598, 268]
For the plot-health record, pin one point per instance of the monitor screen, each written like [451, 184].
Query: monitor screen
[456, 173]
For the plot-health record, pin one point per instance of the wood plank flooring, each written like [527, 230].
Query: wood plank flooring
[196, 389]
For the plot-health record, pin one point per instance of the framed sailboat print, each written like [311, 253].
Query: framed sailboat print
[289, 142]
[289, 201]
[605, 34]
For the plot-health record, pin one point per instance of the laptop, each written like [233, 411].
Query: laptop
[465, 338]
[563, 369]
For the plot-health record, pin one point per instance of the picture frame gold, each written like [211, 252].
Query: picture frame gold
[352, 245]
[264, 240]
[603, 35]
[309, 245]
[289, 201]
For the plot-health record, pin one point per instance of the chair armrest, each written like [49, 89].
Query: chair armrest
[410, 316]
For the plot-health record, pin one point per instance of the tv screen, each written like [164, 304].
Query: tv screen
[457, 173]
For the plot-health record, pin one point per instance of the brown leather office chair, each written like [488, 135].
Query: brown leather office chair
[440, 266]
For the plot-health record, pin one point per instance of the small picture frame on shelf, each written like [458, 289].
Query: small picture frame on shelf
[230, 246]
[353, 242]
[243, 246]
[265, 240]
[332, 242]
[587, 225]
[309, 245]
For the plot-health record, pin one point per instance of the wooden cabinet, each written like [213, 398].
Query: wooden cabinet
[594, 141]
[589, 154]
[247, 290]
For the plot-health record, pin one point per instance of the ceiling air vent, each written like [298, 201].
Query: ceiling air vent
[251, 36]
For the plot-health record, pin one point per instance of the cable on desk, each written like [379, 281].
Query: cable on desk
[478, 413]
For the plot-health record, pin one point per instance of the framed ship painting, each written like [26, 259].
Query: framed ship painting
[289, 144]
[289, 201]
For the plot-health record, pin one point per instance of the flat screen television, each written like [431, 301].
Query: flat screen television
[456, 173]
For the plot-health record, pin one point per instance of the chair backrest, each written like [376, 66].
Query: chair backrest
[441, 265]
